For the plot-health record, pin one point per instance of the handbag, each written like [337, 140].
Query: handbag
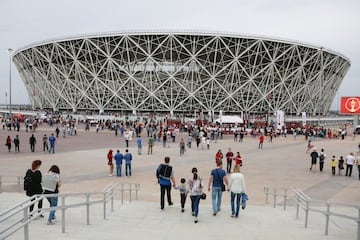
[203, 196]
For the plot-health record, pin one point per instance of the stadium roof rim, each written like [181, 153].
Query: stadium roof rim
[178, 32]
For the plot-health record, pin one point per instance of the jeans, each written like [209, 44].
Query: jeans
[128, 169]
[118, 170]
[235, 206]
[139, 149]
[228, 166]
[53, 201]
[348, 170]
[52, 148]
[195, 200]
[216, 197]
[164, 188]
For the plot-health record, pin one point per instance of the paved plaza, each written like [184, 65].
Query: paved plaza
[281, 164]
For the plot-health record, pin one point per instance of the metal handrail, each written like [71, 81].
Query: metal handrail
[305, 202]
[20, 212]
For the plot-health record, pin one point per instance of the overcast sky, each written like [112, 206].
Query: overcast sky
[332, 24]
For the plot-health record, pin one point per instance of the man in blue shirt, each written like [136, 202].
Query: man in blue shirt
[52, 141]
[139, 144]
[128, 159]
[216, 180]
[118, 161]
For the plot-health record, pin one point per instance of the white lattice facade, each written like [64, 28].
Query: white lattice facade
[180, 72]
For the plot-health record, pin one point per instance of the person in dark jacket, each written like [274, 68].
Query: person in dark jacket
[35, 185]
[314, 156]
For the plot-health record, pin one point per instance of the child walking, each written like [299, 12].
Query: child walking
[183, 193]
[341, 164]
[333, 165]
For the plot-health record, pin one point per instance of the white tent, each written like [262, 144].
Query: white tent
[229, 119]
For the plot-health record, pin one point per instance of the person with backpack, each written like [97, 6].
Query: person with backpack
[32, 184]
[165, 176]
[322, 157]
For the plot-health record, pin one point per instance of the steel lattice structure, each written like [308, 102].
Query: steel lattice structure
[180, 72]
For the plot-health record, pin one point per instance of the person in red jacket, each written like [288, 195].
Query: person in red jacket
[261, 140]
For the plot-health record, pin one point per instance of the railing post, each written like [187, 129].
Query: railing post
[130, 190]
[275, 198]
[88, 209]
[26, 226]
[266, 191]
[358, 225]
[306, 213]
[104, 205]
[63, 209]
[285, 196]
[112, 199]
[18, 182]
[122, 193]
[327, 218]
[0, 184]
[297, 205]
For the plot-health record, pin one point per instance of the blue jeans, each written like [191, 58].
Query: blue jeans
[235, 206]
[216, 197]
[118, 170]
[195, 200]
[53, 201]
[52, 148]
[128, 169]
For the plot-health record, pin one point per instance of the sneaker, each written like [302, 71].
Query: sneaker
[196, 220]
[193, 213]
[232, 215]
[50, 222]
[162, 210]
[110, 175]
[182, 210]
[214, 214]
[170, 204]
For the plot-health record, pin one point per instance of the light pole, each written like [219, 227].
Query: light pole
[10, 108]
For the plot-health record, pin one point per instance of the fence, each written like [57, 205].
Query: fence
[310, 205]
[18, 217]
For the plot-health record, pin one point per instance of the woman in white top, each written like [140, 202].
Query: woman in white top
[237, 188]
[51, 183]
[194, 188]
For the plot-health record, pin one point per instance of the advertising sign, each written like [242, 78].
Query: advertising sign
[350, 105]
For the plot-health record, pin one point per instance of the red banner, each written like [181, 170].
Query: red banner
[350, 105]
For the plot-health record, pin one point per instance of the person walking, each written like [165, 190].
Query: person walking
[341, 164]
[32, 184]
[322, 157]
[32, 142]
[261, 141]
[216, 180]
[229, 158]
[195, 187]
[350, 161]
[333, 165]
[45, 143]
[150, 144]
[182, 147]
[358, 163]
[183, 193]
[51, 184]
[110, 162]
[139, 144]
[17, 143]
[237, 188]
[8, 143]
[118, 161]
[52, 141]
[128, 159]
[314, 156]
[165, 176]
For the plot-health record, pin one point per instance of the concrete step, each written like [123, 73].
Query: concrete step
[144, 220]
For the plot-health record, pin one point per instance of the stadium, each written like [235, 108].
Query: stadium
[180, 72]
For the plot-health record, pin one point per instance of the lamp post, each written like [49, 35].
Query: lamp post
[10, 108]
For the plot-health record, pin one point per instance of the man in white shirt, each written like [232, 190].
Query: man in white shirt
[350, 161]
